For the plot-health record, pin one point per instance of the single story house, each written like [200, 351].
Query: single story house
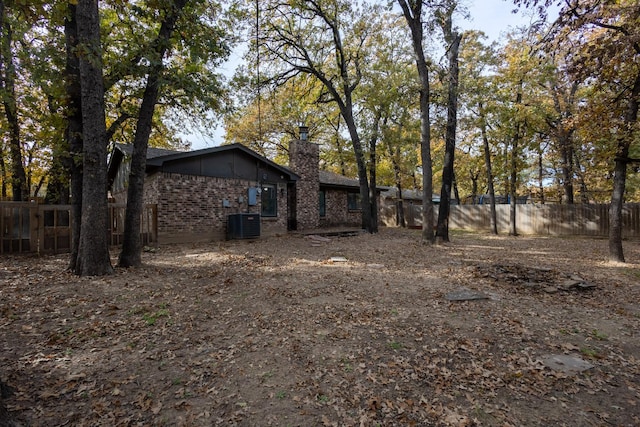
[230, 191]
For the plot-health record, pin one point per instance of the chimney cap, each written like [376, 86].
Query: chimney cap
[304, 132]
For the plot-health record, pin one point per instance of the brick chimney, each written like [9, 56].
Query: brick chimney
[304, 159]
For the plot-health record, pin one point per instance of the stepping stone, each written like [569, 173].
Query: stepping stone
[377, 266]
[566, 363]
[466, 295]
[317, 238]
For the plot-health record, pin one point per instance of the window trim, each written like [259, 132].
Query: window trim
[351, 195]
[264, 189]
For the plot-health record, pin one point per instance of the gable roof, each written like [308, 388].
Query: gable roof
[331, 179]
[152, 152]
[157, 157]
[334, 180]
[122, 150]
[392, 193]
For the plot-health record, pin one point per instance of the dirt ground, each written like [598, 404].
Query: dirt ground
[345, 331]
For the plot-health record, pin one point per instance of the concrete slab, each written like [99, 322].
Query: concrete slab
[566, 363]
[464, 294]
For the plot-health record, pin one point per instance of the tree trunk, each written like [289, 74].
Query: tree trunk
[456, 193]
[413, 15]
[513, 176]
[563, 129]
[19, 188]
[541, 175]
[474, 176]
[584, 193]
[442, 232]
[487, 162]
[373, 142]
[367, 220]
[131, 254]
[620, 175]
[400, 221]
[513, 185]
[372, 190]
[6, 419]
[615, 210]
[73, 130]
[3, 176]
[567, 168]
[58, 177]
[93, 251]
[339, 148]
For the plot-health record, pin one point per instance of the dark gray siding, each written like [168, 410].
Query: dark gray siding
[230, 164]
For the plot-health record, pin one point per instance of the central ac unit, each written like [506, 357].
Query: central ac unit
[243, 226]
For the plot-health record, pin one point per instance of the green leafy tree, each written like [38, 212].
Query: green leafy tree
[480, 124]
[323, 39]
[387, 103]
[519, 77]
[606, 53]
[132, 247]
[191, 92]
[267, 124]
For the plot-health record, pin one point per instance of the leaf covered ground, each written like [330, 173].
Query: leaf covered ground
[338, 331]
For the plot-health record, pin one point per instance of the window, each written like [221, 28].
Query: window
[354, 201]
[323, 204]
[269, 200]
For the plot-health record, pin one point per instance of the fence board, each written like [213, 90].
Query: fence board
[556, 220]
[15, 227]
[32, 227]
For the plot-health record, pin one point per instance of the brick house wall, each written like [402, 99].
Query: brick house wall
[337, 213]
[304, 160]
[192, 208]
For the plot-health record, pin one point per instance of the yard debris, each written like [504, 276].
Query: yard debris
[539, 279]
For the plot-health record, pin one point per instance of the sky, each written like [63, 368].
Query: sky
[494, 17]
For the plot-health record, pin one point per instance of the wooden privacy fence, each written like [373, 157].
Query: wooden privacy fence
[557, 220]
[32, 227]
